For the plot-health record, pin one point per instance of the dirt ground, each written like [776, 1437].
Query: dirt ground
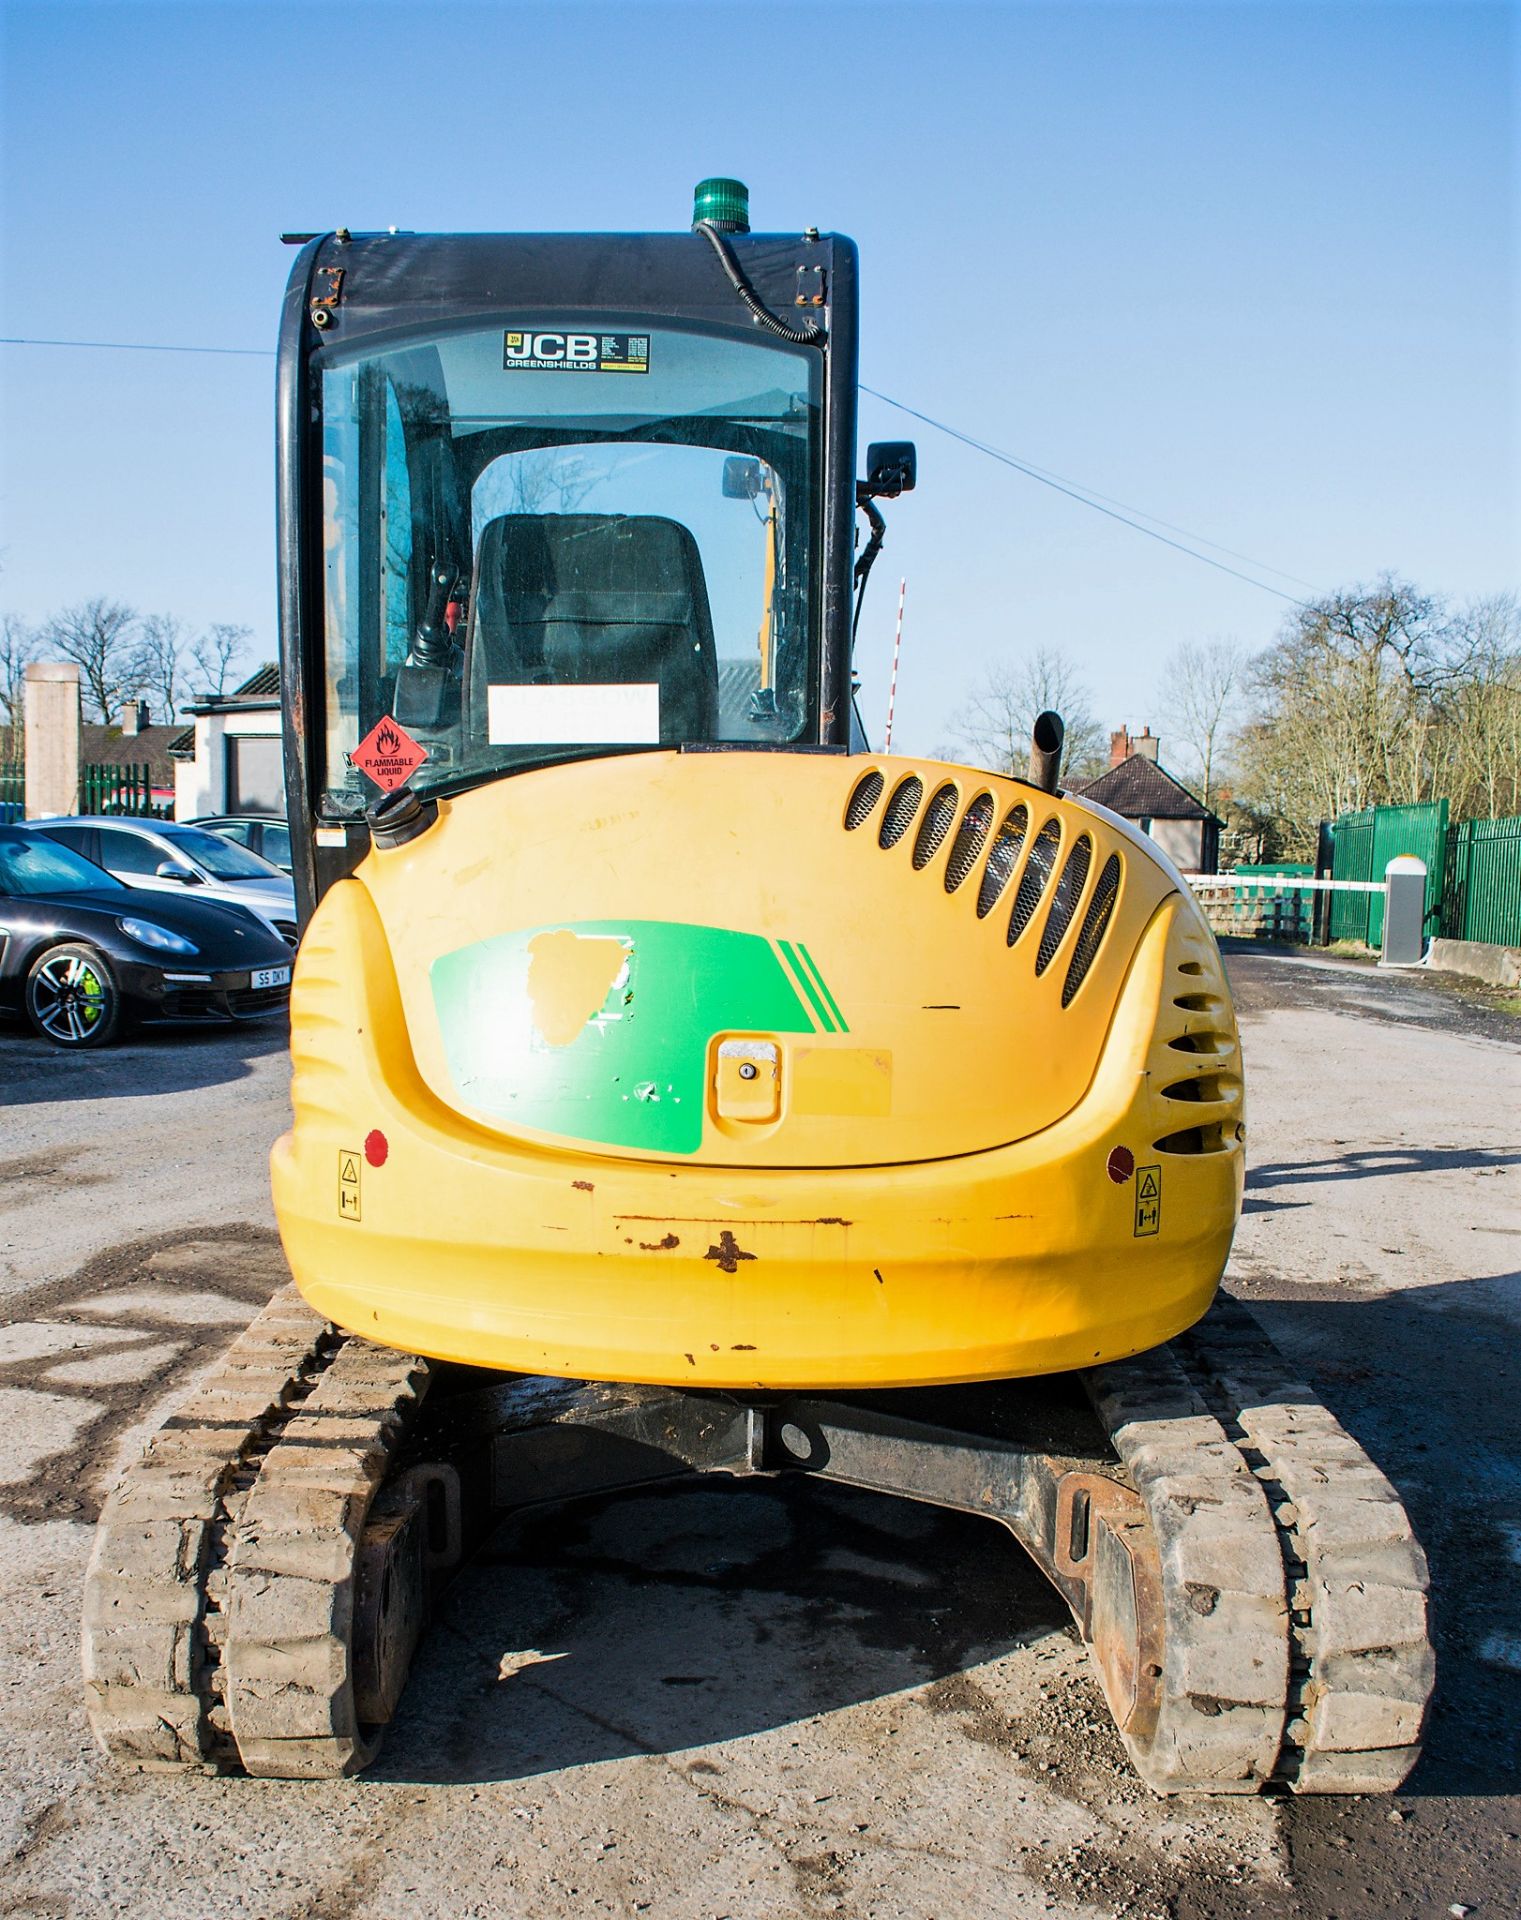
[747, 1700]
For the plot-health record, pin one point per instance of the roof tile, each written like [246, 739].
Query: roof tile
[1138, 789]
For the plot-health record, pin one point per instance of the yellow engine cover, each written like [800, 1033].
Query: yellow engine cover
[838, 1071]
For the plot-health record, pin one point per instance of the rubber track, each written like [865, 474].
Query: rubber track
[1294, 1590]
[293, 1569]
[1225, 1651]
[147, 1659]
[1364, 1667]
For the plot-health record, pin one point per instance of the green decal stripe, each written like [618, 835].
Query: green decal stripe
[635, 1074]
[795, 964]
[823, 986]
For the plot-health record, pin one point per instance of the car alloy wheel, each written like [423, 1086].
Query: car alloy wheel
[72, 998]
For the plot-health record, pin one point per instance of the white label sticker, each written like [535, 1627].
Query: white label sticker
[599, 716]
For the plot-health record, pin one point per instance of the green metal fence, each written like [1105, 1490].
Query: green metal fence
[1482, 896]
[1364, 843]
[102, 789]
[106, 789]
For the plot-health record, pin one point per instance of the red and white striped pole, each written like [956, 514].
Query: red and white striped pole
[892, 685]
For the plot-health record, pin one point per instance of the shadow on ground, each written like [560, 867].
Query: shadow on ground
[669, 1619]
[631, 1624]
[153, 1060]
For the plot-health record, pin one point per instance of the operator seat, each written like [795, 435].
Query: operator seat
[592, 599]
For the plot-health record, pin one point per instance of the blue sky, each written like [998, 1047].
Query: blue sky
[1252, 269]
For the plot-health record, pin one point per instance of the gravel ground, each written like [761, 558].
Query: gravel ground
[755, 1700]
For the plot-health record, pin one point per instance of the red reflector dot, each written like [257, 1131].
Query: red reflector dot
[1121, 1163]
[376, 1147]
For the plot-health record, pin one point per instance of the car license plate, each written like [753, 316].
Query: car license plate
[270, 977]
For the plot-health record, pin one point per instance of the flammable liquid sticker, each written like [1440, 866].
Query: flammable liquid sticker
[388, 754]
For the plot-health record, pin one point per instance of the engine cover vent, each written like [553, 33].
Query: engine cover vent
[970, 836]
[1003, 859]
[1053, 867]
[1095, 925]
[1069, 890]
[1032, 884]
[935, 825]
[901, 809]
[863, 801]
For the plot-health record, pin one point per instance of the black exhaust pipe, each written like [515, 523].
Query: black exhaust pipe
[1046, 738]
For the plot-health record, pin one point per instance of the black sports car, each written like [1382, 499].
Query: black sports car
[82, 955]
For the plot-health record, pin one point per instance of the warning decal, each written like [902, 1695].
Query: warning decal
[388, 754]
[565, 352]
[1148, 1200]
[349, 1159]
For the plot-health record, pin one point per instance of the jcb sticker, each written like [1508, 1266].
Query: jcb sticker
[565, 352]
[350, 1160]
[1148, 1200]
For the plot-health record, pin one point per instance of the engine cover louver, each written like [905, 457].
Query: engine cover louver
[1095, 925]
[1075, 898]
[935, 825]
[1002, 860]
[863, 801]
[1032, 882]
[901, 809]
[1064, 903]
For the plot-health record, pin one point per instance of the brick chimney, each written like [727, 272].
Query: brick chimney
[1146, 745]
[134, 717]
[1119, 747]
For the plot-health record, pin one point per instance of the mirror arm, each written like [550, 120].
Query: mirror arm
[868, 553]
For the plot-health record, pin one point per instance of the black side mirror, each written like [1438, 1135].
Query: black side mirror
[742, 478]
[892, 467]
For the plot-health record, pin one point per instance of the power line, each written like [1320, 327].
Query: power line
[1085, 498]
[1189, 533]
[137, 346]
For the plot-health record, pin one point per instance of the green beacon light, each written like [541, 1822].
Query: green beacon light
[724, 204]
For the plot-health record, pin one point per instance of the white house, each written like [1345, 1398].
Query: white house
[230, 760]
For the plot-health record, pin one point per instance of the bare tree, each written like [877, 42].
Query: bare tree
[1477, 749]
[162, 641]
[217, 653]
[1201, 700]
[993, 725]
[18, 645]
[101, 637]
[1350, 705]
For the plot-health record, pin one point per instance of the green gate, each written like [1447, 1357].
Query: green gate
[1482, 897]
[1351, 859]
[1364, 844]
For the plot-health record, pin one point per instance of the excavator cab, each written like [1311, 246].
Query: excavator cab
[681, 1086]
[555, 497]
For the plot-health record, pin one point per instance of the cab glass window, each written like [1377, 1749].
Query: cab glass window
[542, 541]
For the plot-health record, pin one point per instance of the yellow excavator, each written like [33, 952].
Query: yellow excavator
[681, 1086]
